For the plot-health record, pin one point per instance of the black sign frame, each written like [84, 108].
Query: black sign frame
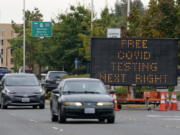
[154, 61]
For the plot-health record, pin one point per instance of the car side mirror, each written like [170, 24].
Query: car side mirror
[56, 91]
[43, 84]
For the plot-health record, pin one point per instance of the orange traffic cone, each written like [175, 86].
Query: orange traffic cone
[174, 105]
[115, 102]
[162, 106]
[167, 102]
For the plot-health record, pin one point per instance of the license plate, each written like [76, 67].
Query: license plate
[89, 110]
[25, 100]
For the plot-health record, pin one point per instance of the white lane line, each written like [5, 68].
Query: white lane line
[12, 114]
[55, 128]
[167, 126]
[31, 120]
[134, 119]
[171, 119]
[161, 116]
[61, 130]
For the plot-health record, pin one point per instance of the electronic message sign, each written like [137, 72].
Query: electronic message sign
[145, 62]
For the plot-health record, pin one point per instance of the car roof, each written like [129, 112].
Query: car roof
[19, 74]
[56, 71]
[81, 79]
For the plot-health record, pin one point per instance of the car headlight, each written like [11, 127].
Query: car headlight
[41, 91]
[72, 103]
[104, 104]
[6, 91]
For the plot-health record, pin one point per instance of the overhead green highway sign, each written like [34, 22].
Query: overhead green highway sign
[41, 29]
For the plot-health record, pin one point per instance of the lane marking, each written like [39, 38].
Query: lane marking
[31, 120]
[175, 119]
[61, 130]
[161, 116]
[55, 128]
[12, 114]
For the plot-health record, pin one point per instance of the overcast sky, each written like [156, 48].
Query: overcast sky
[12, 9]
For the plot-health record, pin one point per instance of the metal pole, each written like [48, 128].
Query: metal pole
[1, 45]
[92, 15]
[24, 37]
[128, 12]
[106, 3]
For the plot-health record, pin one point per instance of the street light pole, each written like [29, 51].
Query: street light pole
[24, 37]
[1, 43]
[128, 12]
[92, 15]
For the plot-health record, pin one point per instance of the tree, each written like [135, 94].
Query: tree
[160, 19]
[32, 44]
[134, 22]
[67, 40]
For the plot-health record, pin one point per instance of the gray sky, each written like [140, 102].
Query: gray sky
[12, 9]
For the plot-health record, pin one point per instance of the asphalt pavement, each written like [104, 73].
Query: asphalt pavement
[28, 121]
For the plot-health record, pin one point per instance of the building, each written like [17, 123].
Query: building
[6, 33]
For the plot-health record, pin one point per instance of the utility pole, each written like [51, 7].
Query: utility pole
[92, 15]
[106, 3]
[1, 43]
[24, 37]
[128, 12]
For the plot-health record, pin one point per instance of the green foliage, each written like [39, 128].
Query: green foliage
[32, 44]
[77, 76]
[123, 89]
[72, 32]
[178, 96]
[134, 22]
[70, 38]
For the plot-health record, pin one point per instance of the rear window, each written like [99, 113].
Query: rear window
[3, 69]
[57, 74]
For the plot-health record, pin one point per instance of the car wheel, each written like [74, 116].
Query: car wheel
[34, 106]
[42, 106]
[61, 117]
[101, 120]
[3, 106]
[111, 119]
[54, 118]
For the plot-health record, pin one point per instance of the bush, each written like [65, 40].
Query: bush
[178, 96]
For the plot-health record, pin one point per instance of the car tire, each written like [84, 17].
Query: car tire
[54, 118]
[61, 117]
[111, 119]
[3, 106]
[34, 106]
[101, 120]
[42, 106]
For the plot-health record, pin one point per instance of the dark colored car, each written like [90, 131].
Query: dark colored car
[21, 90]
[81, 98]
[3, 71]
[53, 78]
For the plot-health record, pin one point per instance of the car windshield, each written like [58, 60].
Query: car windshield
[57, 74]
[94, 87]
[21, 81]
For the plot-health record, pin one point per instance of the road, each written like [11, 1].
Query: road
[27, 121]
